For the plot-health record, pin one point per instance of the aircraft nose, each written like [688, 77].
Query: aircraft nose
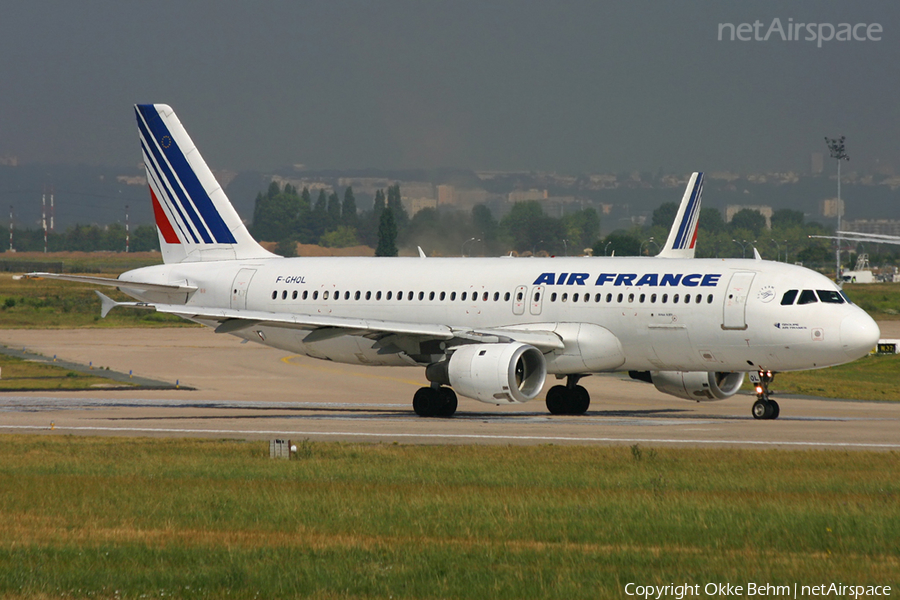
[859, 334]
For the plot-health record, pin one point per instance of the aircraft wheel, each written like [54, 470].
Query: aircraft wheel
[426, 402]
[775, 409]
[761, 409]
[448, 402]
[580, 400]
[558, 400]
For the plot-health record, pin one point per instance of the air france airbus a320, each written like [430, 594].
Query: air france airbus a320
[491, 329]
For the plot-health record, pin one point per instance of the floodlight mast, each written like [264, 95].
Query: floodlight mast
[836, 148]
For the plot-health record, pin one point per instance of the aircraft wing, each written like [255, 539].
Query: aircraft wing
[118, 283]
[323, 327]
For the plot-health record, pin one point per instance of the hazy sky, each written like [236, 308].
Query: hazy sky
[563, 85]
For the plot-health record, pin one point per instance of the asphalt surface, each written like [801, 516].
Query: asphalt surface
[252, 392]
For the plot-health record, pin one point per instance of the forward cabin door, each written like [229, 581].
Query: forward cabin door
[239, 288]
[734, 313]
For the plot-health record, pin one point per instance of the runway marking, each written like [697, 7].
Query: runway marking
[290, 361]
[459, 436]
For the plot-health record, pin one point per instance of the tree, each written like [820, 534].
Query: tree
[334, 211]
[342, 237]
[785, 217]
[748, 219]
[320, 215]
[665, 215]
[711, 220]
[348, 209]
[620, 243]
[387, 234]
[485, 224]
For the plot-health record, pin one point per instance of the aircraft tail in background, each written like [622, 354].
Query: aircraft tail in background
[683, 235]
[194, 218]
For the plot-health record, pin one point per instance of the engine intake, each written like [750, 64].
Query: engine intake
[493, 373]
[693, 385]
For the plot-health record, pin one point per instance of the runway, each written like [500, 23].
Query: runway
[248, 391]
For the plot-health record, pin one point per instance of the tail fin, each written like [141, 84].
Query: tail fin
[683, 235]
[194, 218]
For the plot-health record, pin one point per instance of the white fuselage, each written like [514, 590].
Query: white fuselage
[665, 314]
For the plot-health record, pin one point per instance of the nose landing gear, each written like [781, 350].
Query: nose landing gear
[764, 407]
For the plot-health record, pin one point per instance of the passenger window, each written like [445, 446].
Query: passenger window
[409, 296]
[553, 297]
[275, 295]
[453, 296]
[830, 296]
[368, 295]
[619, 298]
[484, 297]
[389, 294]
[665, 298]
[789, 297]
[687, 298]
[597, 297]
[574, 297]
[463, 296]
[699, 298]
[565, 297]
[653, 298]
[807, 297]
[443, 296]
[675, 299]
[506, 297]
[284, 294]
[496, 296]
[537, 296]
[377, 295]
[325, 295]
[609, 297]
[356, 295]
[305, 294]
[641, 298]
[315, 295]
[709, 299]
[631, 297]
[421, 295]
[431, 295]
[294, 295]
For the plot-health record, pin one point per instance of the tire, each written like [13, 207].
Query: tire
[775, 409]
[448, 402]
[558, 400]
[761, 409]
[580, 400]
[426, 402]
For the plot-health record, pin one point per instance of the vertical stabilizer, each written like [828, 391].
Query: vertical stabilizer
[194, 218]
[683, 235]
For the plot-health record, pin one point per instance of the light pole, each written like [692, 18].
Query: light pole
[466, 242]
[777, 250]
[566, 246]
[650, 241]
[534, 248]
[836, 148]
[604, 247]
[743, 245]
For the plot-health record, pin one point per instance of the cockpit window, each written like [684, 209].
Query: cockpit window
[830, 296]
[789, 297]
[807, 297]
[846, 297]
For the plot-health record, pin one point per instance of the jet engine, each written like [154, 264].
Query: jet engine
[493, 373]
[693, 385]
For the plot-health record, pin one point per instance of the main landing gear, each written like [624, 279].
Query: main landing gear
[569, 399]
[435, 401]
[764, 407]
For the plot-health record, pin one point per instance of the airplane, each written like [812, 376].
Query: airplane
[490, 329]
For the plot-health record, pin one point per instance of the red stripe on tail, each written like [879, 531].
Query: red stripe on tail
[162, 221]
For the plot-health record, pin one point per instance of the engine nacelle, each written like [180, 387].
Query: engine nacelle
[694, 385]
[493, 373]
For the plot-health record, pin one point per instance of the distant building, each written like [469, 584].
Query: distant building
[877, 226]
[765, 211]
[414, 205]
[829, 207]
[816, 163]
[525, 195]
[445, 195]
[7, 160]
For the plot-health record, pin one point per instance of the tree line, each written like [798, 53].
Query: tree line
[87, 238]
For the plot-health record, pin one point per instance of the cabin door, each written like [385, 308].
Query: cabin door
[239, 288]
[734, 313]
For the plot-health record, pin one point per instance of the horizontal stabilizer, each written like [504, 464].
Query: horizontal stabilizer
[118, 283]
[107, 304]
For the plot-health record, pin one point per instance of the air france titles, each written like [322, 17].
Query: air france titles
[632, 279]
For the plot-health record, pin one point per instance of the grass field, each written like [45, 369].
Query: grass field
[18, 374]
[108, 518]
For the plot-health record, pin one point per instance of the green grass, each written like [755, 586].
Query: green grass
[44, 303]
[880, 300]
[83, 517]
[19, 374]
[869, 378]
